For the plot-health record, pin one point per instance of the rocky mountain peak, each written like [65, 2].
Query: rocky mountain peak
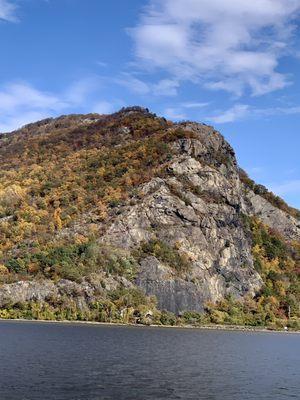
[91, 203]
[134, 109]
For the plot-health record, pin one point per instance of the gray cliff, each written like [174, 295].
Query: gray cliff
[197, 207]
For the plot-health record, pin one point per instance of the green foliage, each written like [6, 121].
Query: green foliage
[168, 318]
[132, 297]
[74, 262]
[193, 318]
[16, 265]
[122, 305]
[166, 254]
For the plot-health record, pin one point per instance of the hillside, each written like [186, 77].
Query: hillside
[130, 217]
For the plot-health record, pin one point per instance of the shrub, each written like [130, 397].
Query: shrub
[165, 254]
[193, 318]
[167, 318]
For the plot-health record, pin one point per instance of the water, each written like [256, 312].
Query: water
[92, 362]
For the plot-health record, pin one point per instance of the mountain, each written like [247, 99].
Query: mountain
[130, 217]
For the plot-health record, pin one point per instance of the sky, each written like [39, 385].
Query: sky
[233, 64]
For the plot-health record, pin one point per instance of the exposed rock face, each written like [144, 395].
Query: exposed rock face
[207, 226]
[272, 216]
[21, 292]
[46, 290]
[195, 206]
[173, 293]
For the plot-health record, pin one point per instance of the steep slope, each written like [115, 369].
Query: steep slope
[93, 208]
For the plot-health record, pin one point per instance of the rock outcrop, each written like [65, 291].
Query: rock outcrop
[275, 218]
[83, 294]
[197, 209]
[195, 205]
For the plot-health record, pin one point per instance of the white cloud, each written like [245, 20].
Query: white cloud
[7, 11]
[103, 107]
[164, 87]
[194, 105]
[286, 188]
[102, 64]
[255, 170]
[242, 111]
[278, 111]
[21, 103]
[234, 113]
[21, 94]
[79, 90]
[174, 114]
[232, 45]
[133, 84]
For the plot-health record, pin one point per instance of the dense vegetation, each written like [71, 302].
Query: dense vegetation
[70, 261]
[59, 186]
[56, 188]
[122, 305]
[276, 306]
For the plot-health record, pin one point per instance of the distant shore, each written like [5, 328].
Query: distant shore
[238, 328]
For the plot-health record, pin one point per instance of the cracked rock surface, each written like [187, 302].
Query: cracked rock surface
[196, 207]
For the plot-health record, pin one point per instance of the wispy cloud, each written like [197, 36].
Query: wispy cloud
[103, 107]
[8, 11]
[174, 114]
[81, 89]
[278, 111]
[255, 170]
[194, 105]
[133, 84]
[221, 44]
[244, 111]
[21, 94]
[286, 188]
[21, 103]
[238, 111]
[164, 87]
[101, 64]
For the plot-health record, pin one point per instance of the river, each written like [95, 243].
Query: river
[45, 361]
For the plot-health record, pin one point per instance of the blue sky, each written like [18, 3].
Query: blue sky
[233, 64]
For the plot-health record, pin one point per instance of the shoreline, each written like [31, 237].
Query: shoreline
[233, 328]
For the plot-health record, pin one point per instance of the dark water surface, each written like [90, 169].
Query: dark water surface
[86, 362]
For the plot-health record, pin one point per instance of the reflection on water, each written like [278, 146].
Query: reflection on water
[92, 362]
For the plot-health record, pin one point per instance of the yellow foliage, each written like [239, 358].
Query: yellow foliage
[12, 195]
[112, 194]
[57, 220]
[3, 270]
[102, 210]
[101, 172]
